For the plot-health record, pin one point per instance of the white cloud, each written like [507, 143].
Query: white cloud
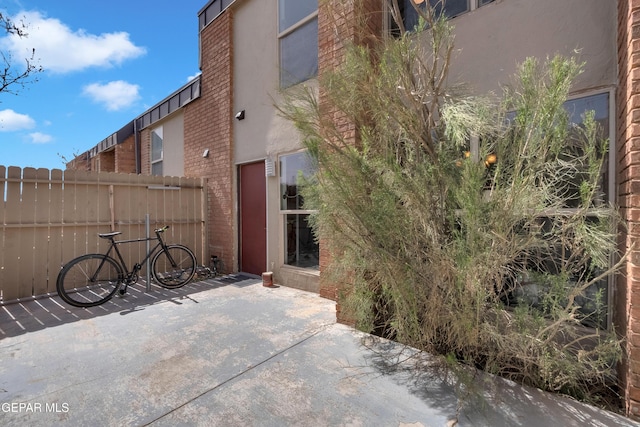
[40, 138]
[193, 77]
[11, 121]
[114, 95]
[60, 49]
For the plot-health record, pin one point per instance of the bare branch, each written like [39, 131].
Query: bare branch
[14, 77]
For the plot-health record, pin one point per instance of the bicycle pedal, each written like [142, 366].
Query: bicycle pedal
[122, 291]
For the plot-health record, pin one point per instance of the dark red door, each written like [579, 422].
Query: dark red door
[253, 218]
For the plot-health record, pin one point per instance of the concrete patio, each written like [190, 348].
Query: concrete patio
[231, 352]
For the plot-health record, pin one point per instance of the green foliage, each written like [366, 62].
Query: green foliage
[498, 264]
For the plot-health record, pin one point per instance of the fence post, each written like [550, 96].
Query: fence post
[112, 209]
[146, 227]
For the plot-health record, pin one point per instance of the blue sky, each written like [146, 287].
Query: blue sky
[104, 64]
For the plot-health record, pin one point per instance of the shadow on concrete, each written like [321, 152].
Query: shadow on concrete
[21, 317]
[480, 399]
[423, 375]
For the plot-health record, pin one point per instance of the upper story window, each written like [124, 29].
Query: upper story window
[450, 9]
[298, 40]
[156, 151]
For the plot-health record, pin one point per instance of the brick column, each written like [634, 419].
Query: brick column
[627, 301]
[339, 23]
[145, 151]
[208, 124]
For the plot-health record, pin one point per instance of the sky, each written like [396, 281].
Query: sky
[104, 64]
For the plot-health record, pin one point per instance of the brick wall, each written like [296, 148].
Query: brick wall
[145, 151]
[80, 162]
[125, 156]
[339, 22]
[208, 125]
[107, 161]
[627, 301]
[121, 159]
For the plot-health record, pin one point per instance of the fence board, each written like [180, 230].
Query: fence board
[27, 237]
[3, 174]
[48, 218]
[56, 230]
[11, 284]
[137, 228]
[104, 215]
[41, 233]
[68, 215]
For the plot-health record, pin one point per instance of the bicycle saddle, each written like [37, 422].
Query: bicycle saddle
[109, 235]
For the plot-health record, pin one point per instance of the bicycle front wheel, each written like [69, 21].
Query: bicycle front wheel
[89, 280]
[174, 267]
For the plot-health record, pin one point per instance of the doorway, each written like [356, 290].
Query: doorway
[253, 218]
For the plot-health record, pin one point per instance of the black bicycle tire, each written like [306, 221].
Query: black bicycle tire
[186, 273]
[75, 296]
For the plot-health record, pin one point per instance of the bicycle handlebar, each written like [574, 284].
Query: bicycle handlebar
[160, 230]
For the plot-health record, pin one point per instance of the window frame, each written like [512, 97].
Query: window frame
[154, 162]
[612, 189]
[282, 34]
[471, 6]
[284, 213]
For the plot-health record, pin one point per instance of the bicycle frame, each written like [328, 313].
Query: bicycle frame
[128, 274]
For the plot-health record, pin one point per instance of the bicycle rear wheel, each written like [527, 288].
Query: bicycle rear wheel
[89, 280]
[174, 267]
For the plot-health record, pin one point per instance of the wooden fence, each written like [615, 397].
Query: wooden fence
[49, 217]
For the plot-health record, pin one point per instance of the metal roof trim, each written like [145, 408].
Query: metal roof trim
[178, 99]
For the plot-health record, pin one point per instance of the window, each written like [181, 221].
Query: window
[576, 108]
[300, 246]
[156, 151]
[298, 40]
[450, 9]
[597, 296]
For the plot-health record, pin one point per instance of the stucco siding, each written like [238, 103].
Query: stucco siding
[492, 40]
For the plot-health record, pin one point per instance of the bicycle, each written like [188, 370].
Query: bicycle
[204, 272]
[93, 279]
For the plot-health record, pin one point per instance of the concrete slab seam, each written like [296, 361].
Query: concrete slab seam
[313, 333]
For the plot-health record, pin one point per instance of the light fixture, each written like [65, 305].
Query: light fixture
[269, 167]
[205, 154]
[240, 115]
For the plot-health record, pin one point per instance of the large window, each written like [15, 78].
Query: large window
[300, 246]
[156, 151]
[450, 9]
[298, 40]
[594, 302]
